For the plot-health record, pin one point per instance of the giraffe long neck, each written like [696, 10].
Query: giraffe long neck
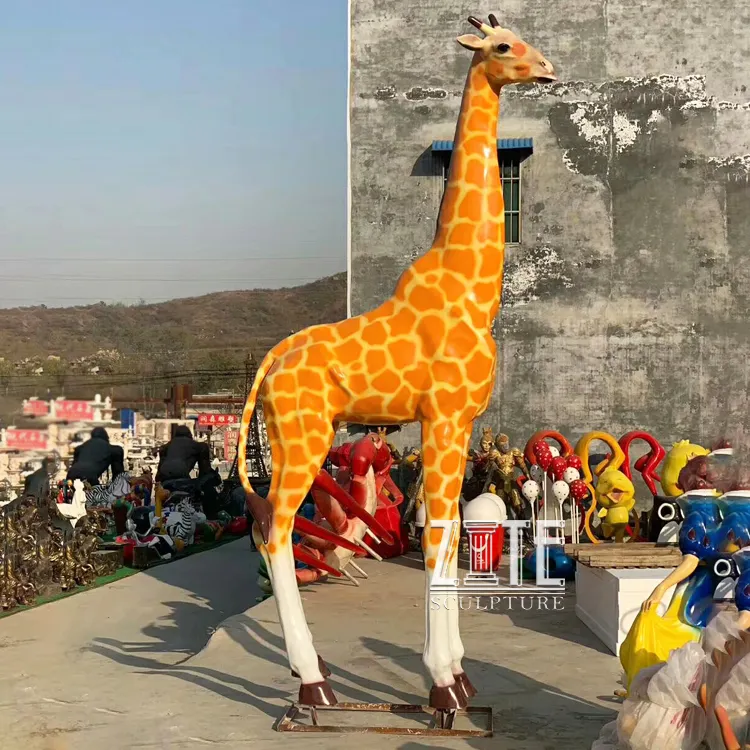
[470, 238]
[473, 192]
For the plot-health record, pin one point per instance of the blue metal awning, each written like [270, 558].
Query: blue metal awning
[503, 144]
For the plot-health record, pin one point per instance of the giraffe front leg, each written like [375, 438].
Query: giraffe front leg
[455, 642]
[444, 461]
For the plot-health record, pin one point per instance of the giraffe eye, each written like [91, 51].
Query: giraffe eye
[503, 48]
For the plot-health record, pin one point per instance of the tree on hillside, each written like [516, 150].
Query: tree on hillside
[6, 375]
[220, 370]
[58, 370]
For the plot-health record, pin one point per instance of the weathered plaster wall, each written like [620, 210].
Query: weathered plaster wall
[626, 304]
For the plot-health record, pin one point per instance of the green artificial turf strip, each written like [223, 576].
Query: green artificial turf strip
[101, 581]
[120, 574]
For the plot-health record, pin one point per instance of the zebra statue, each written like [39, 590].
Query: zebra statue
[181, 524]
[103, 496]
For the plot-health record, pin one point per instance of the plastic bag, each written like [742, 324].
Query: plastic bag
[639, 686]
[719, 630]
[734, 697]
[662, 711]
[651, 639]
[676, 684]
[607, 739]
[669, 718]
[658, 728]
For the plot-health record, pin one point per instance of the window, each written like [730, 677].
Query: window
[510, 154]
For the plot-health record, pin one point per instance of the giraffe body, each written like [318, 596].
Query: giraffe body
[427, 354]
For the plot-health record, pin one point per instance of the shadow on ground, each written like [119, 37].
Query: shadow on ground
[189, 625]
[526, 710]
[527, 713]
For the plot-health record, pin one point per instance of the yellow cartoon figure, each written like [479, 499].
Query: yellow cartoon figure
[613, 497]
[615, 494]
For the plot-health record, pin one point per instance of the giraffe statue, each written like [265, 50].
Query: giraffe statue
[427, 354]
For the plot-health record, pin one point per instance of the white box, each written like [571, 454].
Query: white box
[608, 599]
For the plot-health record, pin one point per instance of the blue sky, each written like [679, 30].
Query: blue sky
[162, 148]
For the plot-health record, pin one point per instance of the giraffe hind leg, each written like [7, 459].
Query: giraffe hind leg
[290, 483]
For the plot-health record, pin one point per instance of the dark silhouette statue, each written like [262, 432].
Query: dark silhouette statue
[180, 455]
[94, 457]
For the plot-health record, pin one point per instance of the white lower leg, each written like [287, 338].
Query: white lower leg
[454, 638]
[303, 659]
[437, 656]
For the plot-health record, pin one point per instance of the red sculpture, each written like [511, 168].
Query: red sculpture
[349, 492]
[646, 465]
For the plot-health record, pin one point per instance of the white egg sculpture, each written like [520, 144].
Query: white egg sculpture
[485, 507]
[571, 474]
[560, 490]
[554, 451]
[531, 490]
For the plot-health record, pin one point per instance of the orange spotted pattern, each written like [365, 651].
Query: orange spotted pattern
[426, 354]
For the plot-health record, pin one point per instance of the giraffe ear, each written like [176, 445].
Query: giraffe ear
[470, 41]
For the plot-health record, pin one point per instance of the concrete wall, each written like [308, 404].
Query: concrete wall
[626, 304]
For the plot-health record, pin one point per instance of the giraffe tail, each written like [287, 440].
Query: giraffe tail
[259, 507]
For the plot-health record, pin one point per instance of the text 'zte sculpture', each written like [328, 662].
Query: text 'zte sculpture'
[426, 354]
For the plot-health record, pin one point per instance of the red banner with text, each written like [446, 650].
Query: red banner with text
[35, 408]
[74, 411]
[217, 420]
[230, 444]
[26, 440]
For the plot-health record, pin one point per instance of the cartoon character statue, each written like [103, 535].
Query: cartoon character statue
[615, 496]
[412, 461]
[504, 461]
[675, 462]
[480, 466]
[698, 698]
[714, 540]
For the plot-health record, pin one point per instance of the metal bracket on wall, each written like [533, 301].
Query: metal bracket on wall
[440, 725]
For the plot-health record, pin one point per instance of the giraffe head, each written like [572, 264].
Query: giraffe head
[507, 59]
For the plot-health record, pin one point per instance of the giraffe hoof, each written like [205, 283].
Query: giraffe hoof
[464, 684]
[322, 666]
[447, 698]
[317, 694]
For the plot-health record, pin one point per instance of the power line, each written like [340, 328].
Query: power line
[130, 259]
[133, 380]
[141, 279]
[70, 378]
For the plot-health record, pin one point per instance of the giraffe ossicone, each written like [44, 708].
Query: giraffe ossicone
[426, 354]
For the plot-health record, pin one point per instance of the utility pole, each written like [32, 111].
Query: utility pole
[248, 363]
[255, 442]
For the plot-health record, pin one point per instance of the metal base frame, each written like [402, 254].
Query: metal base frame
[442, 721]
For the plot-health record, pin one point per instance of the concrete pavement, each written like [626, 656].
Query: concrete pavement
[114, 668]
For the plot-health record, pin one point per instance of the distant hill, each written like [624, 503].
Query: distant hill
[95, 348]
